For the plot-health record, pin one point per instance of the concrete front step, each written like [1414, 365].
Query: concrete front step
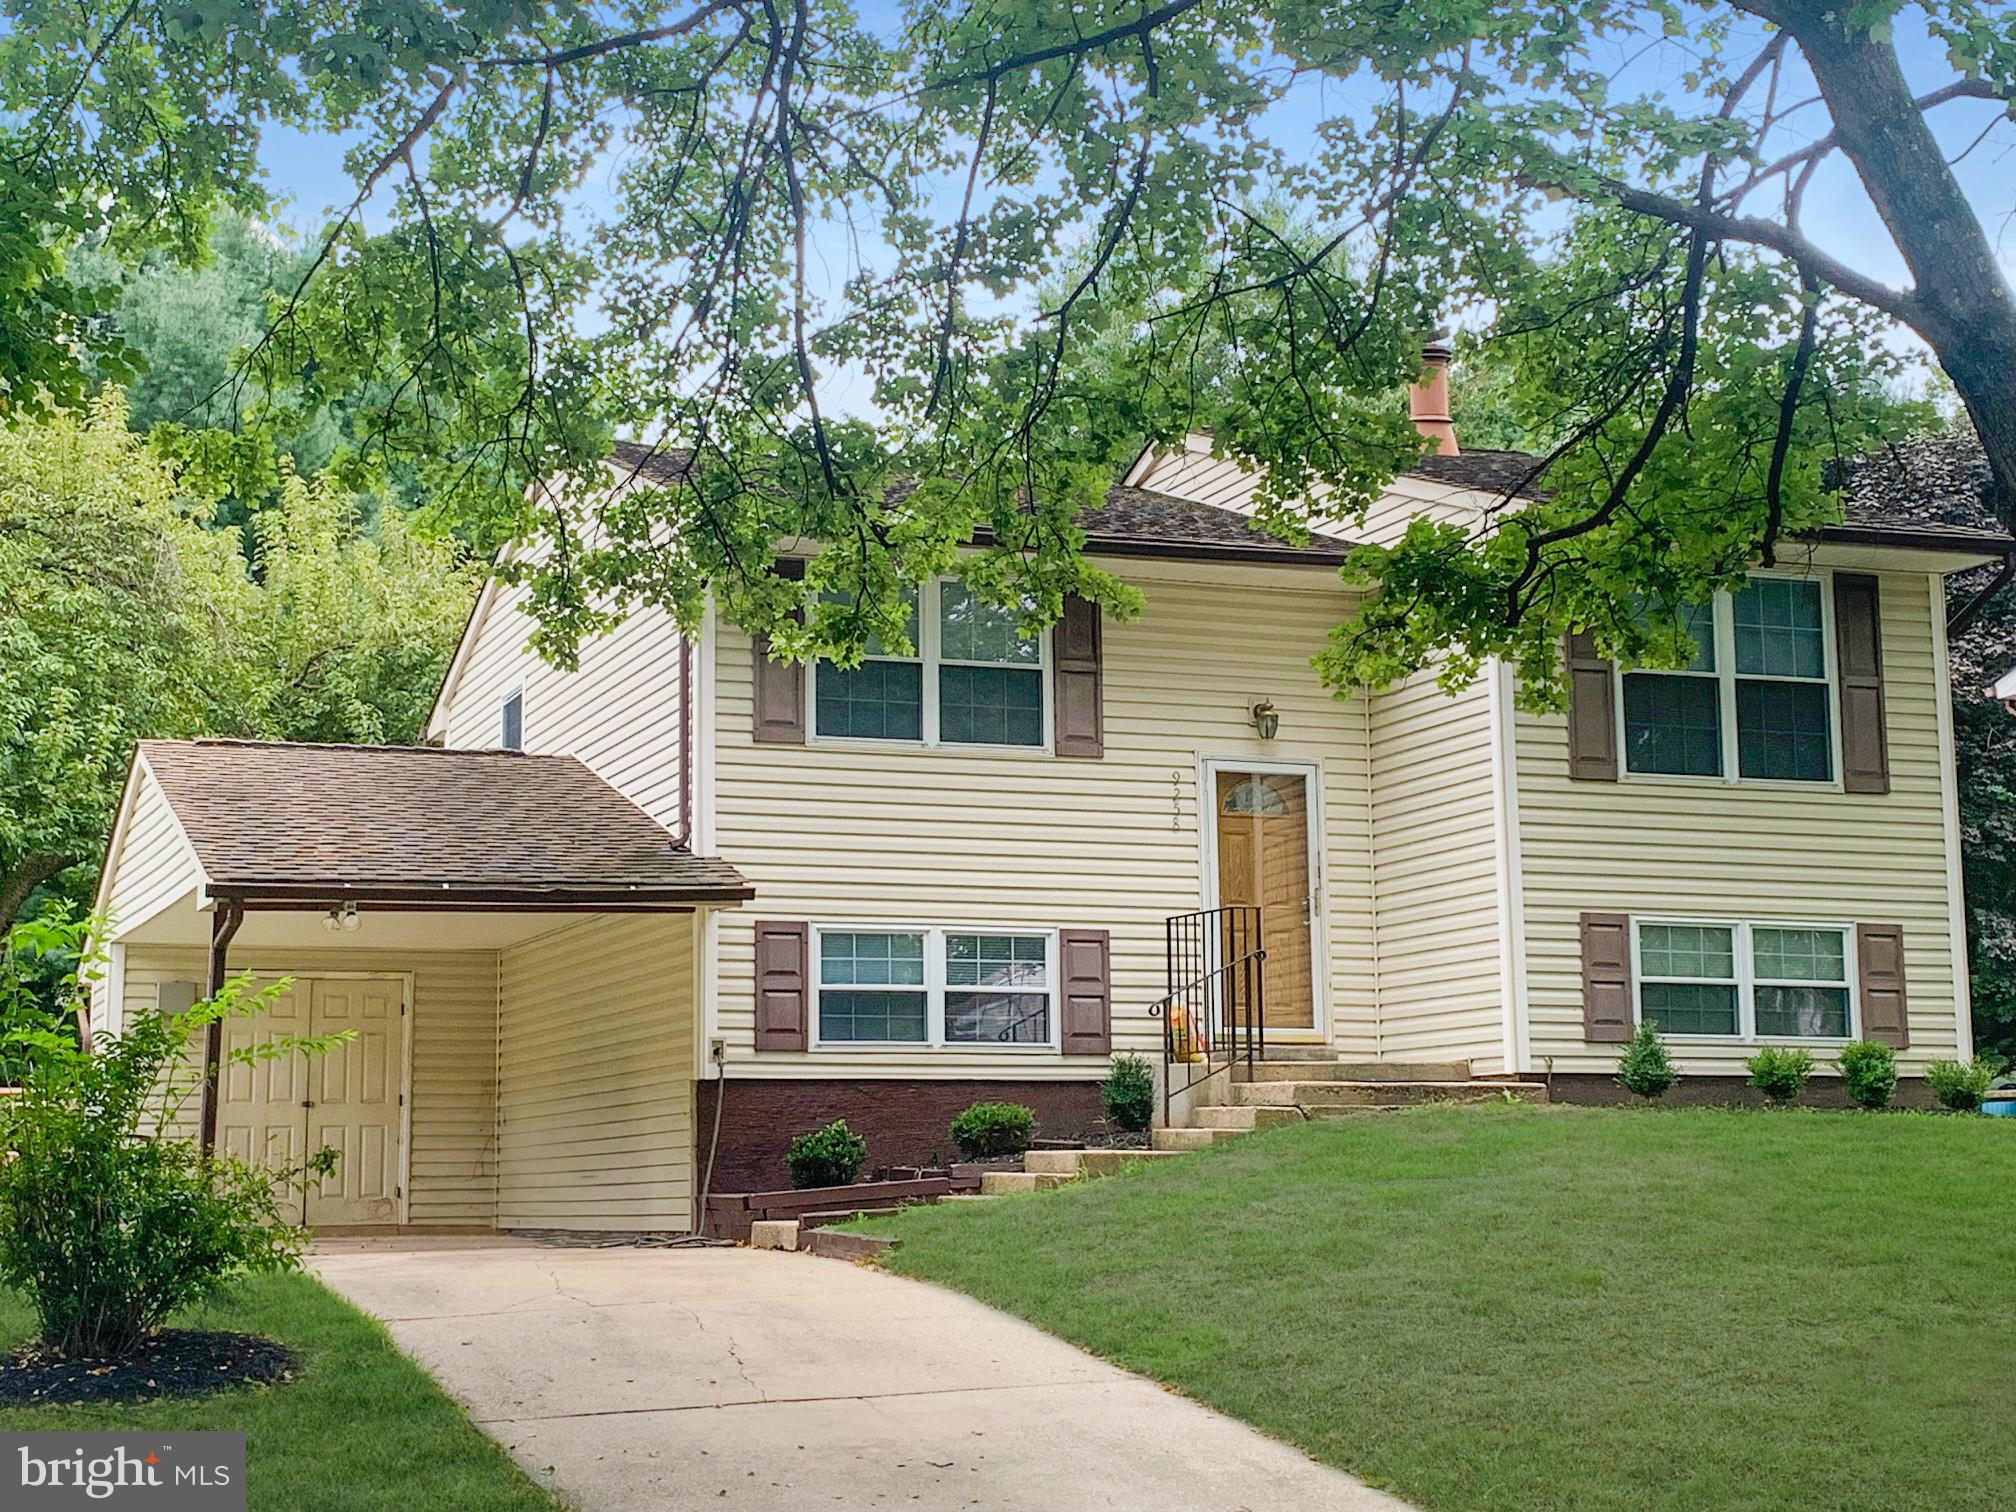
[1004, 1183]
[1066, 1164]
[1242, 1118]
[1197, 1137]
[1273, 1069]
[1315, 1097]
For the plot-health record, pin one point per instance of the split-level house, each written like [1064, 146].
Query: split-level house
[624, 930]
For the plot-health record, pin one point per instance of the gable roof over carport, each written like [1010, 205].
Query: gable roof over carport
[275, 822]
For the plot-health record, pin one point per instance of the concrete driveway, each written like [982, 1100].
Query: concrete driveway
[628, 1378]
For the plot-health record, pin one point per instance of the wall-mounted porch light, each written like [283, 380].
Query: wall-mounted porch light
[343, 917]
[1265, 719]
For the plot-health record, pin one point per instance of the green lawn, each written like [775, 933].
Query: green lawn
[1502, 1307]
[360, 1426]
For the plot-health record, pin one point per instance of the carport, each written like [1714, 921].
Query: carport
[508, 942]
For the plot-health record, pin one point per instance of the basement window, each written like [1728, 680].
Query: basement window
[937, 987]
[1729, 979]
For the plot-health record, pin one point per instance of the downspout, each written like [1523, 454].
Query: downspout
[223, 925]
[686, 742]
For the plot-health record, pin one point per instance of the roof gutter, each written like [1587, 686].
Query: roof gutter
[459, 897]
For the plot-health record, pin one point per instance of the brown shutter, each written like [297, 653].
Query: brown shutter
[1592, 712]
[1077, 677]
[783, 991]
[780, 686]
[1858, 653]
[1606, 978]
[1879, 960]
[1088, 1000]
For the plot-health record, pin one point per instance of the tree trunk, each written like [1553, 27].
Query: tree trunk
[21, 880]
[1963, 305]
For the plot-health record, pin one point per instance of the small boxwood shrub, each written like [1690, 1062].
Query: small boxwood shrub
[831, 1156]
[1646, 1067]
[1129, 1094]
[1780, 1073]
[987, 1130]
[1869, 1072]
[1961, 1087]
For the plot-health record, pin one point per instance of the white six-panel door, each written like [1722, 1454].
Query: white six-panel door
[347, 1099]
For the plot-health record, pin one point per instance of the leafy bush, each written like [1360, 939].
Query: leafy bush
[1780, 1073]
[107, 1222]
[1129, 1093]
[1961, 1087]
[1646, 1067]
[831, 1156]
[986, 1130]
[1869, 1072]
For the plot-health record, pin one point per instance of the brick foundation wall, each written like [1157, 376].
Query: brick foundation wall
[1729, 1092]
[904, 1122]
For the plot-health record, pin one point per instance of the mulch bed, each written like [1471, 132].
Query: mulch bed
[174, 1363]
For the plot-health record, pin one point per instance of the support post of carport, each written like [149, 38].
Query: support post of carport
[223, 925]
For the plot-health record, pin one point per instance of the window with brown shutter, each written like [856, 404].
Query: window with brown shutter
[782, 967]
[1086, 992]
[1592, 712]
[1858, 653]
[779, 692]
[1606, 978]
[1879, 961]
[1077, 680]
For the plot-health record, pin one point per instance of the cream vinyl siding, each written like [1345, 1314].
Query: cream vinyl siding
[595, 1076]
[155, 866]
[1710, 849]
[1195, 474]
[454, 1033]
[885, 835]
[1435, 875]
[618, 713]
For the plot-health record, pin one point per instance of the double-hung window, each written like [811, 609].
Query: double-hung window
[973, 680]
[1755, 703]
[1740, 980]
[936, 987]
[882, 699]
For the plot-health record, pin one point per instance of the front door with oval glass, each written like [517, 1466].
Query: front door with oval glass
[279, 1108]
[1264, 863]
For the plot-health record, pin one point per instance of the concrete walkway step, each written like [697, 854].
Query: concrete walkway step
[1317, 1096]
[1242, 1118]
[1197, 1137]
[1069, 1163]
[1005, 1183]
[1272, 1069]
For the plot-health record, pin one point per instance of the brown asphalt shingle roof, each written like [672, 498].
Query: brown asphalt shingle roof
[1923, 492]
[1129, 520]
[1924, 483]
[286, 819]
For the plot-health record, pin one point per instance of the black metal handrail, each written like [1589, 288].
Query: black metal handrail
[1214, 1012]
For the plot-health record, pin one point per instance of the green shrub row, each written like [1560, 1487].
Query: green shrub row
[1868, 1073]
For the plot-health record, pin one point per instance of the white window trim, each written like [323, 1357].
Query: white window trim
[1747, 981]
[935, 988]
[927, 655]
[1726, 677]
[517, 691]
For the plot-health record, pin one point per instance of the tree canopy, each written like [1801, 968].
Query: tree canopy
[122, 618]
[990, 251]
